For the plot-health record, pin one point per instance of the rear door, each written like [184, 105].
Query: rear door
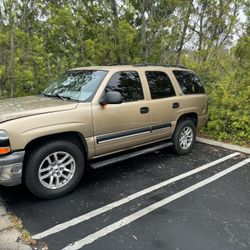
[164, 104]
[122, 126]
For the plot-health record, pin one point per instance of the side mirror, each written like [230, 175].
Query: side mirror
[112, 97]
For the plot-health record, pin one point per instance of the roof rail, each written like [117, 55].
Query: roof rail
[176, 65]
[117, 64]
[161, 65]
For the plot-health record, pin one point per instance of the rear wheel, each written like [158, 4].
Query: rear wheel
[54, 169]
[184, 137]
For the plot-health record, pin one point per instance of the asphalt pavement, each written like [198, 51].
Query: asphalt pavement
[156, 201]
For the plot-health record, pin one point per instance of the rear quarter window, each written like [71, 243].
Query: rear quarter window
[189, 82]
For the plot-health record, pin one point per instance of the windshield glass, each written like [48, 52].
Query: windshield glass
[79, 85]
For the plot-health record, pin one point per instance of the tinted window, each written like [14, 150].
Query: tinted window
[160, 85]
[189, 82]
[128, 84]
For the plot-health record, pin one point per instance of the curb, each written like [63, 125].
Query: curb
[224, 145]
[10, 236]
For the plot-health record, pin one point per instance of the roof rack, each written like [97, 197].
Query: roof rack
[117, 64]
[161, 65]
[176, 66]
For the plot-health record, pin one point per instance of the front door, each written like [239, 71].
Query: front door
[122, 126]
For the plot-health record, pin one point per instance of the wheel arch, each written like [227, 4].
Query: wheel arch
[191, 115]
[76, 137]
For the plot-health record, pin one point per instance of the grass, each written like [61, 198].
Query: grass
[209, 136]
[25, 235]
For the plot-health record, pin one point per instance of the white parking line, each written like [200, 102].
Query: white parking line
[135, 216]
[89, 215]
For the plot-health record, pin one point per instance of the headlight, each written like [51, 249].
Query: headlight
[4, 143]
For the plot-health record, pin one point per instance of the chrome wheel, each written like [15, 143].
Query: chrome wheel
[186, 137]
[56, 170]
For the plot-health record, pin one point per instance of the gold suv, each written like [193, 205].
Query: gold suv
[95, 116]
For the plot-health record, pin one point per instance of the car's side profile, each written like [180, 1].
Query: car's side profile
[90, 115]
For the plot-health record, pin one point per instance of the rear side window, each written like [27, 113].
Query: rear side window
[128, 83]
[189, 82]
[160, 84]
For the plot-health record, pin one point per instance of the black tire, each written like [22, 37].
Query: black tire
[176, 139]
[37, 157]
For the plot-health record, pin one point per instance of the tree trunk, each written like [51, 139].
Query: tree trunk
[48, 67]
[184, 31]
[12, 66]
[144, 38]
[4, 78]
[116, 31]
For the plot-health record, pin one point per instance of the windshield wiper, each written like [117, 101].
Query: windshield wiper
[64, 98]
[55, 95]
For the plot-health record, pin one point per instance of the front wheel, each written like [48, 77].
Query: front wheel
[184, 137]
[54, 169]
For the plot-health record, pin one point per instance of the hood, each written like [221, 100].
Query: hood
[32, 105]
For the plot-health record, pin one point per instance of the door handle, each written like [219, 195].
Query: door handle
[175, 105]
[144, 110]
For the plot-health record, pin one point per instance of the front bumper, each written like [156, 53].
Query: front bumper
[11, 169]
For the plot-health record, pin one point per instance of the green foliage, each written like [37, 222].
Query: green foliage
[227, 83]
[229, 110]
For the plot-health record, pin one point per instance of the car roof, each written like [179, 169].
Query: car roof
[133, 67]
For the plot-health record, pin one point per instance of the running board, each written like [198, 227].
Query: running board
[123, 157]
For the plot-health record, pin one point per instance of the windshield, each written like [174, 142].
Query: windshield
[78, 85]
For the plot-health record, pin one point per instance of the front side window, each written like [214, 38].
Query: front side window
[189, 82]
[78, 85]
[128, 83]
[160, 84]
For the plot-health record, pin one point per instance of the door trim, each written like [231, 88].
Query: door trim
[161, 126]
[120, 135]
[131, 133]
